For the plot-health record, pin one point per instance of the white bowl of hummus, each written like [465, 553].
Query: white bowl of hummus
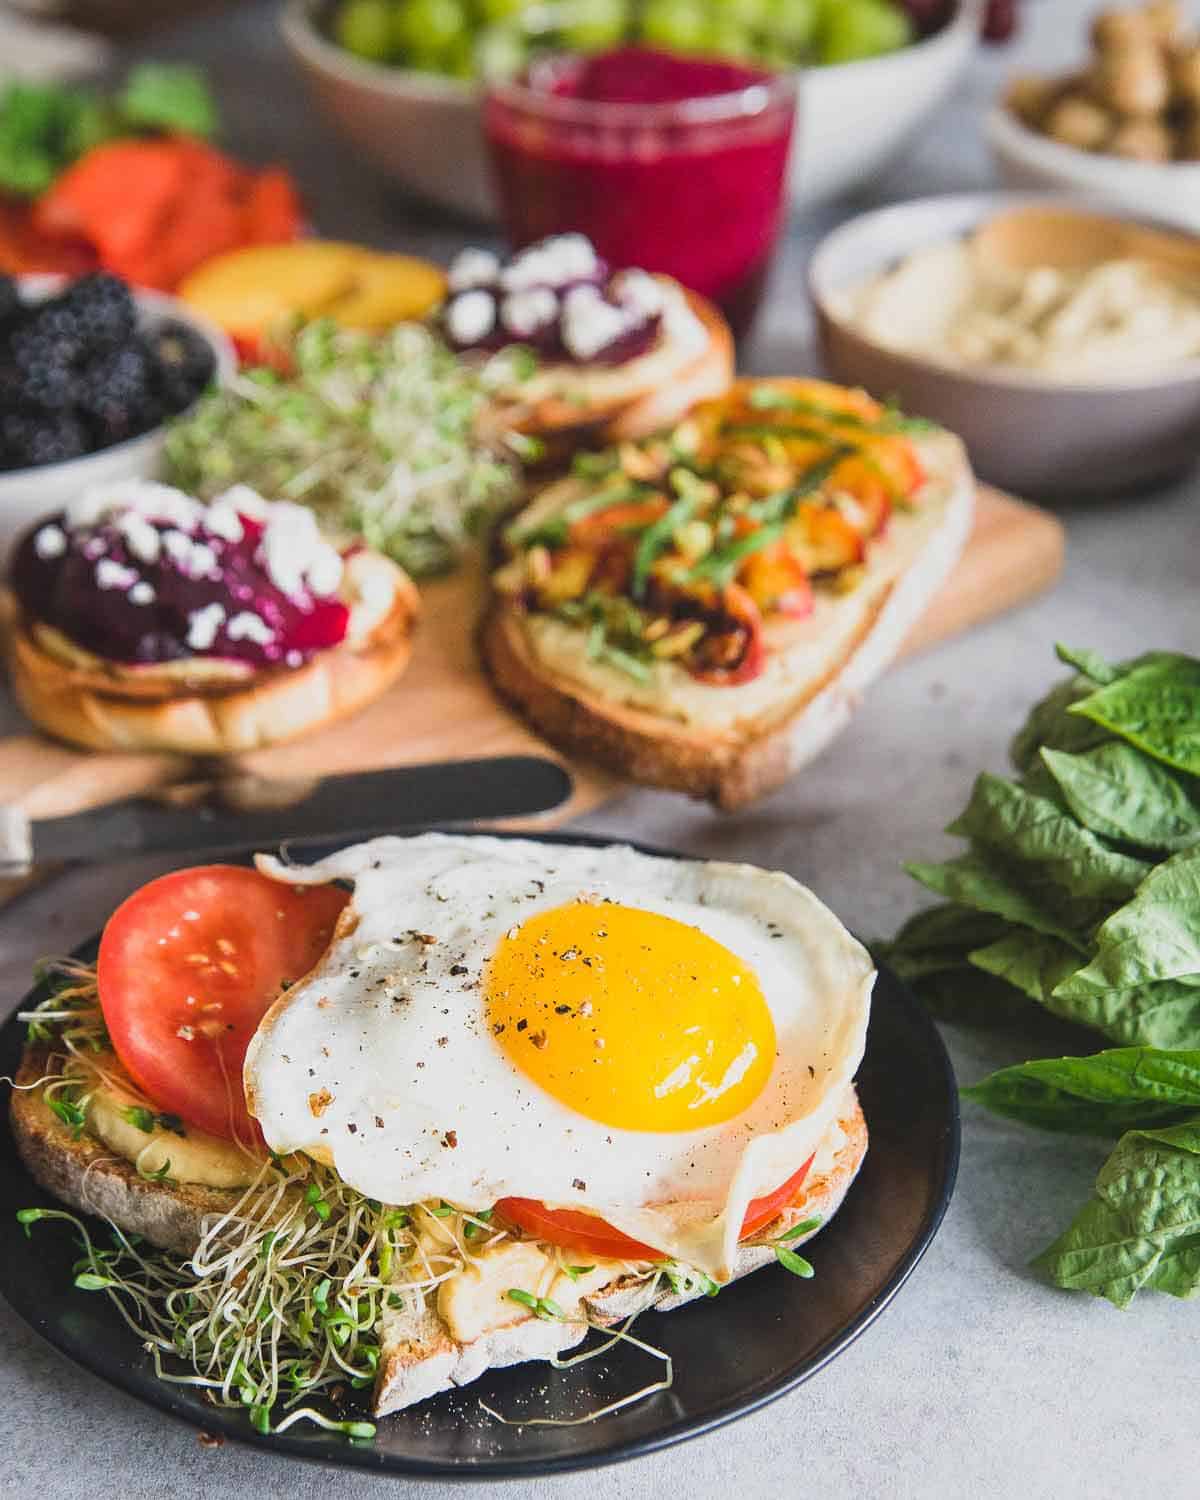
[1062, 381]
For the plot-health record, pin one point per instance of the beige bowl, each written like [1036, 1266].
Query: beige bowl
[424, 131]
[1035, 436]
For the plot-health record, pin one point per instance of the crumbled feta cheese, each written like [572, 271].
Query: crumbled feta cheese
[202, 562]
[50, 541]
[242, 501]
[553, 263]
[589, 323]
[248, 626]
[638, 290]
[472, 268]
[177, 545]
[114, 575]
[525, 313]
[142, 593]
[294, 659]
[203, 625]
[221, 519]
[294, 554]
[141, 537]
[471, 317]
[157, 502]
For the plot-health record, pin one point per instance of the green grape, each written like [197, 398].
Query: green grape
[424, 32]
[792, 24]
[753, 15]
[591, 25]
[679, 25]
[853, 29]
[501, 52]
[364, 27]
[726, 37]
[491, 11]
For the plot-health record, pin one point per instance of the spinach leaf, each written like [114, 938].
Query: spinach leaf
[1142, 1229]
[1033, 962]
[1155, 706]
[1088, 664]
[1051, 723]
[1154, 936]
[1119, 793]
[986, 883]
[1166, 1014]
[1112, 1092]
[964, 996]
[940, 938]
[1017, 824]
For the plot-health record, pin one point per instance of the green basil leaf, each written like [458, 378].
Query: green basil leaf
[1088, 663]
[1032, 962]
[1106, 1094]
[1051, 723]
[986, 883]
[1154, 936]
[1142, 1229]
[1155, 706]
[1072, 865]
[939, 938]
[964, 996]
[1119, 793]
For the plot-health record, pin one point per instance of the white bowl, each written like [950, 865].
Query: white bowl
[26, 495]
[424, 130]
[856, 117]
[1025, 159]
[1027, 433]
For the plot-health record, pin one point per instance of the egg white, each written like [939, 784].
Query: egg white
[380, 1061]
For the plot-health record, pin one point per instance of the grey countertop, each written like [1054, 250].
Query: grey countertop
[979, 1380]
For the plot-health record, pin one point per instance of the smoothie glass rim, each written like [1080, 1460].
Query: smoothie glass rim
[766, 91]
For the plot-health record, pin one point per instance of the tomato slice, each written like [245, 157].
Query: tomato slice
[188, 967]
[579, 1231]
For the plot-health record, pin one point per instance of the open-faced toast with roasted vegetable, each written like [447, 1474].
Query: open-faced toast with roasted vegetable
[701, 610]
[593, 356]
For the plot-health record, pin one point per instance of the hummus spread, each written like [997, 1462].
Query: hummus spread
[1097, 325]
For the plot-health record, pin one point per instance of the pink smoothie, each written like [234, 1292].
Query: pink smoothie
[673, 164]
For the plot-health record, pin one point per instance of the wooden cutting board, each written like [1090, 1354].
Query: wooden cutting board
[443, 708]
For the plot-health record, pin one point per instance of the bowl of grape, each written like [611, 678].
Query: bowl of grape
[402, 79]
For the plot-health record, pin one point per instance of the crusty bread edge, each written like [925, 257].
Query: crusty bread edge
[427, 1361]
[90, 708]
[730, 768]
[82, 1173]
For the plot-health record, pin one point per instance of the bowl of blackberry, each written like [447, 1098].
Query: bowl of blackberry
[90, 373]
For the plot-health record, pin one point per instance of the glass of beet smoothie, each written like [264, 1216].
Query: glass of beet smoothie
[673, 164]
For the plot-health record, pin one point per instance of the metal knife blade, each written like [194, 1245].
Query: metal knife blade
[239, 814]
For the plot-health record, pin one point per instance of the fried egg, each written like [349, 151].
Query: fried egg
[655, 1041]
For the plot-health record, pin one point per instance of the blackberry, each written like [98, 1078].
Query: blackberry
[28, 439]
[100, 311]
[10, 302]
[44, 334]
[40, 380]
[185, 363]
[117, 393]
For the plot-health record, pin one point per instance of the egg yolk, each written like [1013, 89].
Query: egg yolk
[633, 1019]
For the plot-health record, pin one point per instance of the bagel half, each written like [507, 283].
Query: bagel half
[79, 698]
[652, 395]
[742, 756]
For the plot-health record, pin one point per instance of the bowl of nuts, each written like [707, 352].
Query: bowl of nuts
[1125, 126]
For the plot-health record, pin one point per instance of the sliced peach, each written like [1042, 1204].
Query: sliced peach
[823, 539]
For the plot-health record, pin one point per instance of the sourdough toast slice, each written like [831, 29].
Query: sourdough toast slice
[738, 745]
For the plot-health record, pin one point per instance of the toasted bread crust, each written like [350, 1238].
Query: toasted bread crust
[111, 711]
[638, 412]
[735, 766]
[83, 1173]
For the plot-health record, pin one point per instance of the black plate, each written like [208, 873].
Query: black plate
[758, 1339]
